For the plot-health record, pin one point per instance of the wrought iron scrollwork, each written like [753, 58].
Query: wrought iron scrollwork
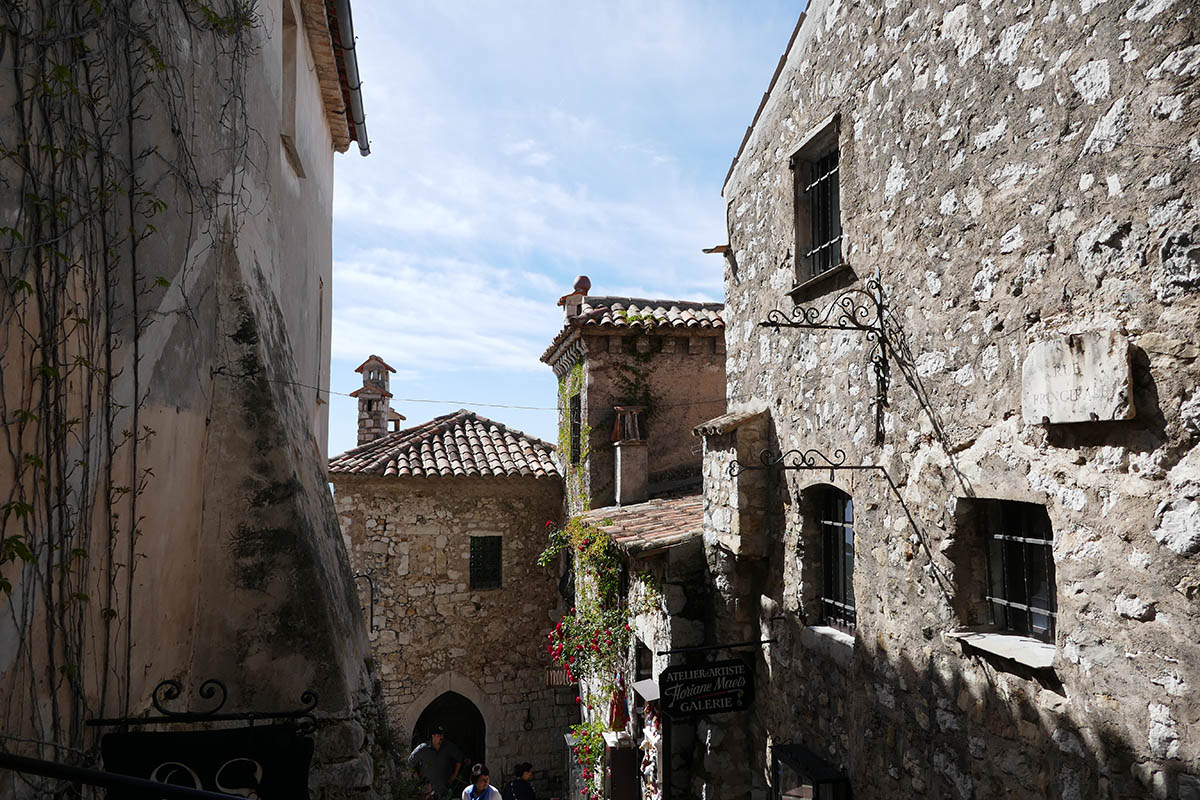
[862, 309]
[858, 309]
[813, 459]
[793, 459]
[170, 690]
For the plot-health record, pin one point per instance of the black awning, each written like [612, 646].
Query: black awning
[809, 764]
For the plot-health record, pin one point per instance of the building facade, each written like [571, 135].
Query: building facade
[962, 284]
[444, 523]
[167, 197]
[634, 377]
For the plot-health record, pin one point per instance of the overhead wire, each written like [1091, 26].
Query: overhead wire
[469, 404]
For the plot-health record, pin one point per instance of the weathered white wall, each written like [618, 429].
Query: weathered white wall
[240, 572]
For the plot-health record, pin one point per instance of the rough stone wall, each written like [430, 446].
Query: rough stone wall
[1016, 173]
[432, 633]
[680, 379]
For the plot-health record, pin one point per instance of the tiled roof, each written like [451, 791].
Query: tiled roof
[371, 387]
[653, 525]
[376, 359]
[462, 444]
[727, 422]
[634, 313]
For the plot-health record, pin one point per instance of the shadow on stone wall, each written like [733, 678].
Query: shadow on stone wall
[970, 726]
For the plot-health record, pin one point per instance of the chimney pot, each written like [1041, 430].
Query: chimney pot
[583, 284]
[632, 464]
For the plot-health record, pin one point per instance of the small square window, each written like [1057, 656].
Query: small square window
[818, 211]
[486, 558]
[1021, 588]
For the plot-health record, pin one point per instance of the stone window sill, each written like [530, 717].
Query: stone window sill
[811, 286]
[1024, 650]
[837, 645]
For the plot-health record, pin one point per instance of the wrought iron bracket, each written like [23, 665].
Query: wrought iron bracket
[211, 690]
[858, 309]
[813, 459]
[709, 647]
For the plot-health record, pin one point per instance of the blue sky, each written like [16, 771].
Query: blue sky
[515, 146]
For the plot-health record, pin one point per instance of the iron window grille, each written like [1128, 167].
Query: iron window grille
[1022, 593]
[837, 559]
[486, 558]
[818, 212]
[576, 422]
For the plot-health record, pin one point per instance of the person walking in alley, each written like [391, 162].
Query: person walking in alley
[480, 788]
[519, 787]
[437, 761]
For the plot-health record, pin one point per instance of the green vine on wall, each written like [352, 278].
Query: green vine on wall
[106, 129]
[591, 641]
[575, 474]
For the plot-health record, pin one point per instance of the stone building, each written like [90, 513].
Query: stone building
[661, 548]
[375, 413]
[444, 523]
[634, 377]
[181, 165]
[975, 557]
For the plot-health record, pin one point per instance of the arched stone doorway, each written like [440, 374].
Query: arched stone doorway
[463, 723]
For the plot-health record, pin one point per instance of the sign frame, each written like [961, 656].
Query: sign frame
[701, 690]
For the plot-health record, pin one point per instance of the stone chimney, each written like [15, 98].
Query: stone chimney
[374, 400]
[632, 464]
[573, 303]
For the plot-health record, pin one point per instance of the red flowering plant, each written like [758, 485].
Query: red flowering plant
[591, 641]
[588, 751]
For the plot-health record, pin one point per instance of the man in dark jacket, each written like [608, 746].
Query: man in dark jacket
[437, 761]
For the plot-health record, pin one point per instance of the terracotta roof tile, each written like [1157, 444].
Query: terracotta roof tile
[462, 444]
[653, 525]
[727, 422]
[635, 314]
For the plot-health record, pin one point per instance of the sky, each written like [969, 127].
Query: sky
[515, 146]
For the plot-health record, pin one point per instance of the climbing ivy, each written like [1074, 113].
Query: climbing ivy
[569, 385]
[108, 133]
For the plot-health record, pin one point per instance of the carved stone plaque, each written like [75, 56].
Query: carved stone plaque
[1081, 377]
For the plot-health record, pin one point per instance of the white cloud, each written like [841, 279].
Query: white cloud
[440, 314]
[516, 145]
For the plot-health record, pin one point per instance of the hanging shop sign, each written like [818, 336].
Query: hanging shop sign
[264, 762]
[255, 761]
[706, 689]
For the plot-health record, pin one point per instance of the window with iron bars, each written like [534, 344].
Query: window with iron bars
[1022, 593]
[836, 518]
[818, 207]
[486, 557]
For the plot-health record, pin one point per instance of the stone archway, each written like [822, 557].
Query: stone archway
[462, 720]
[460, 685]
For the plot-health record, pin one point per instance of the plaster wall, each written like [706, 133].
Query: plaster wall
[1015, 173]
[433, 633]
[238, 569]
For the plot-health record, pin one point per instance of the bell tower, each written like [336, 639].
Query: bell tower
[374, 400]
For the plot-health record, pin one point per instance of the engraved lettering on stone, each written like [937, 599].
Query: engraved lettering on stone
[1081, 377]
